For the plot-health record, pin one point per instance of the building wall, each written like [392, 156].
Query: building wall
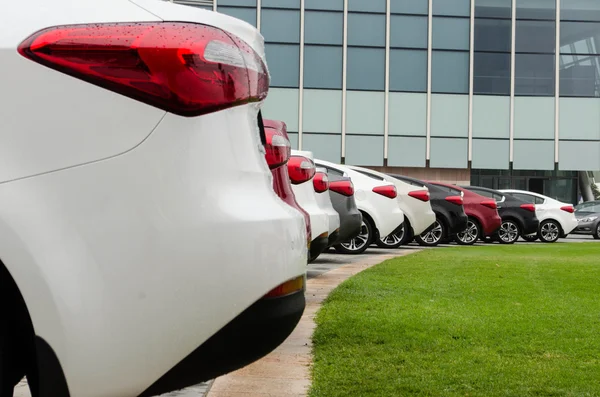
[444, 84]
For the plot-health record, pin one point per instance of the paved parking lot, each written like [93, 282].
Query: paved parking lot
[324, 263]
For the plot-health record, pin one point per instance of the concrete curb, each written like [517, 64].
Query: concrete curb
[286, 371]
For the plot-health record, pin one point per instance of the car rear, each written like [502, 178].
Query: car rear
[341, 193]
[302, 170]
[133, 158]
[277, 155]
[321, 186]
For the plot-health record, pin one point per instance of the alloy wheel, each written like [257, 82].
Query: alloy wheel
[549, 232]
[508, 232]
[470, 234]
[393, 240]
[434, 235]
[358, 242]
[597, 235]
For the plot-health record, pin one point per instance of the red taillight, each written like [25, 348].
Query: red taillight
[183, 68]
[528, 207]
[455, 200]
[490, 204]
[321, 182]
[300, 169]
[422, 195]
[387, 191]
[568, 208]
[345, 188]
[277, 148]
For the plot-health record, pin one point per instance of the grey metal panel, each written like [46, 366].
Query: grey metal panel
[323, 27]
[249, 3]
[337, 5]
[282, 104]
[245, 14]
[364, 150]
[408, 70]
[366, 30]
[450, 33]
[408, 31]
[450, 115]
[452, 7]
[280, 3]
[406, 151]
[580, 119]
[490, 154]
[579, 156]
[450, 72]
[322, 111]
[280, 26]
[410, 6]
[533, 155]
[491, 116]
[284, 64]
[364, 112]
[366, 67]
[534, 118]
[367, 5]
[322, 67]
[326, 147]
[448, 153]
[408, 114]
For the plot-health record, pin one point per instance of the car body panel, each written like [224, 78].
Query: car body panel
[345, 206]
[509, 207]
[419, 213]
[547, 208]
[307, 198]
[588, 218]
[384, 211]
[488, 218]
[453, 215]
[116, 217]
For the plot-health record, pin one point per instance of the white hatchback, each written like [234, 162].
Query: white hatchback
[557, 219]
[131, 157]
[414, 202]
[376, 200]
[302, 170]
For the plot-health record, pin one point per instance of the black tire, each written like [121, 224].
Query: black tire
[549, 231]
[597, 233]
[509, 232]
[433, 237]
[470, 235]
[396, 239]
[12, 362]
[360, 243]
[530, 237]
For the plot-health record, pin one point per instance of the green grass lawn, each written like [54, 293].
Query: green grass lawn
[474, 321]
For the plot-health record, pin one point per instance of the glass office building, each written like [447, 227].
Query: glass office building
[500, 93]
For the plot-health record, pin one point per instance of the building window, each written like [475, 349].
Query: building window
[580, 57]
[535, 44]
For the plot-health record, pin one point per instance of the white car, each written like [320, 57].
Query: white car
[131, 158]
[377, 202]
[321, 185]
[302, 170]
[557, 219]
[414, 202]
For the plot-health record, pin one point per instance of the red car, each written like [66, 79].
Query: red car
[482, 212]
[278, 151]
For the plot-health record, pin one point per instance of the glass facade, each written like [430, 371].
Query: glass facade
[479, 84]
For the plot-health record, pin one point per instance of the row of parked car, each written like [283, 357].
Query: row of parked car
[350, 208]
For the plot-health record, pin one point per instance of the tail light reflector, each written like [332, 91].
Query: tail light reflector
[183, 68]
[287, 288]
[387, 191]
[277, 148]
[345, 188]
[321, 182]
[422, 195]
[458, 200]
[568, 208]
[528, 207]
[490, 204]
[301, 169]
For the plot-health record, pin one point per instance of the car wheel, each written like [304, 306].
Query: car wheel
[597, 234]
[432, 237]
[360, 243]
[394, 240]
[470, 235]
[549, 231]
[508, 232]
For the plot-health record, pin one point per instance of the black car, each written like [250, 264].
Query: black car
[518, 216]
[341, 192]
[588, 216]
[449, 212]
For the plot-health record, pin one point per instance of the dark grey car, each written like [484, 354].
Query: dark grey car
[588, 216]
[341, 192]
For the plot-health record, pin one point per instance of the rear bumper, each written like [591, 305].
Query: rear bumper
[318, 245]
[530, 226]
[350, 224]
[570, 225]
[588, 228]
[457, 225]
[334, 238]
[491, 226]
[253, 334]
